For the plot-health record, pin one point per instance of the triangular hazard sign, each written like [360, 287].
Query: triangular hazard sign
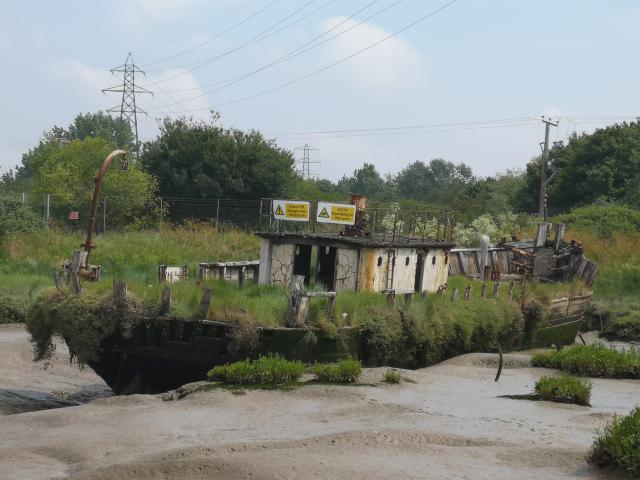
[279, 211]
[324, 213]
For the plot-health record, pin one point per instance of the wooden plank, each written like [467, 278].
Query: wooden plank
[165, 303]
[454, 295]
[205, 301]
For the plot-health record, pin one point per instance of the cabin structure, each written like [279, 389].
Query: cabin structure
[362, 263]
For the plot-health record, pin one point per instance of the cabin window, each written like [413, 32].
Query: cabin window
[379, 261]
[406, 262]
[433, 260]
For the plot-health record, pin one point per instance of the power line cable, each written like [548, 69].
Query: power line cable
[332, 64]
[214, 37]
[197, 30]
[292, 53]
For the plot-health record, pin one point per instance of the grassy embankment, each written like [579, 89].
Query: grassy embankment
[619, 444]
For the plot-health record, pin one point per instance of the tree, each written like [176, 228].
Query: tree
[366, 181]
[115, 131]
[68, 174]
[15, 217]
[439, 181]
[203, 160]
[602, 165]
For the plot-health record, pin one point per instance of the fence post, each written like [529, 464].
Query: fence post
[165, 305]
[23, 198]
[483, 291]
[203, 308]
[511, 287]
[496, 290]
[47, 202]
[468, 293]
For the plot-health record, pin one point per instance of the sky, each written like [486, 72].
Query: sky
[473, 76]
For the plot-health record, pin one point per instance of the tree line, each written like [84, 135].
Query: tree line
[205, 160]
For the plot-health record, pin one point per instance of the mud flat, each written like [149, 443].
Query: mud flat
[450, 423]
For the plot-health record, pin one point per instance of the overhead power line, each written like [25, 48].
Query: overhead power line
[293, 53]
[197, 30]
[214, 37]
[332, 64]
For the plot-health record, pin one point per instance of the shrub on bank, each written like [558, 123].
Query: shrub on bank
[592, 361]
[272, 370]
[13, 308]
[625, 328]
[345, 371]
[564, 389]
[619, 444]
[392, 376]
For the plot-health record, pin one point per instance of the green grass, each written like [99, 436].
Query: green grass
[625, 327]
[272, 370]
[392, 376]
[618, 445]
[564, 389]
[345, 371]
[592, 361]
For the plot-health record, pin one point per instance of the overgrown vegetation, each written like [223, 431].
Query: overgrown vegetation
[592, 361]
[564, 389]
[271, 370]
[345, 371]
[14, 306]
[618, 445]
[625, 327]
[392, 376]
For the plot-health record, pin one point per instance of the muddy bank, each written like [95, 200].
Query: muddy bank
[451, 423]
[27, 386]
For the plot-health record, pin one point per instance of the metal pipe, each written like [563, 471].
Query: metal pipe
[88, 245]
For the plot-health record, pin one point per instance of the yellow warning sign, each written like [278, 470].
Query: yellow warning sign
[336, 213]
[295, 211]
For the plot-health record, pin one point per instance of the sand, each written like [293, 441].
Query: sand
[450, 423]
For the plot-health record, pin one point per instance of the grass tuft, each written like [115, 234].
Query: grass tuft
[619, 444]
[592, 361]
[346, 371]
[564, 389]
[271, 370]
[392, 376]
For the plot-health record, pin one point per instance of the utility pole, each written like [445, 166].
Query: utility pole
[128, 108]
[306, 160]
[542, 201]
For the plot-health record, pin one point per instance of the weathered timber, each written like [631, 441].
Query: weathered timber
[120, 291]
[165, 304]
[496, 289]
[483, 290]
[205, 301]
[468, 293]
[454, 295]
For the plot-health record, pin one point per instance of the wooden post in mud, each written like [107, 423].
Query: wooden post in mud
[454, 295]
[165, 304]
[241, 275]
[483, 291]
[511, 287]
[496, 290]
[331, 307]
[205, 301]
[499, 362]
[468, 293]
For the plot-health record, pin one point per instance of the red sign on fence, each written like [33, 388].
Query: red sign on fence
[73, 215]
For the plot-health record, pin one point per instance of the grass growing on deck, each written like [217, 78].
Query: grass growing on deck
[618, 445]
[592, 361]
[564, 389]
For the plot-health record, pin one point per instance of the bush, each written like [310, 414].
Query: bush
[564, 389]
[619, 444]
[602, 219]
[592, 361]
[17, 218]
[271, 370]
[13, 308]
[625, 328]
[346, 371]
[392, 376]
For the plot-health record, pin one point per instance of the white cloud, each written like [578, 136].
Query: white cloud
[391, 65]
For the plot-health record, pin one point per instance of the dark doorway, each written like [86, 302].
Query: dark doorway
[302, 262]
[419, 269]
[326, 273]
